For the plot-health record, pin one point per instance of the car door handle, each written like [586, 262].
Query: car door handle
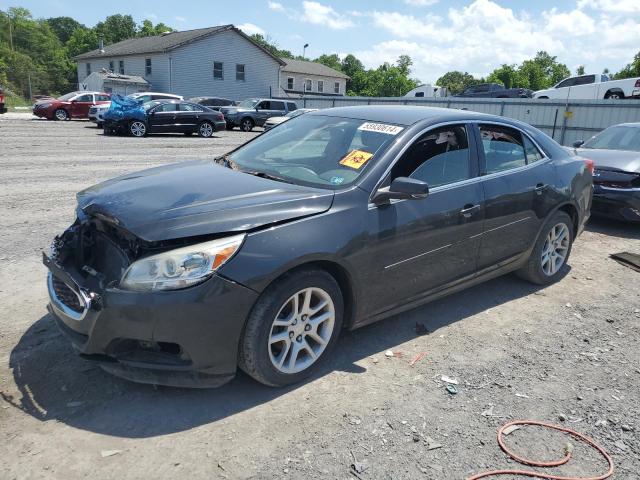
[468, 210]
[540, 188]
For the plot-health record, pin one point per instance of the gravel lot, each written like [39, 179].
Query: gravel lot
[565, 354]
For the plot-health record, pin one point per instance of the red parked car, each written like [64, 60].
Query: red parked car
[3, 109]
[71, 105]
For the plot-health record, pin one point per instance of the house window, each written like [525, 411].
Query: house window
[308, 85]
[336, 87]
[217, 71]
[121, 67]
[320, 86]
[290, 83]
[111, 67]
[147, 66]
[88, 69]
[239, 72]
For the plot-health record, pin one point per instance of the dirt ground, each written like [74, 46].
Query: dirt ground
[566, 354]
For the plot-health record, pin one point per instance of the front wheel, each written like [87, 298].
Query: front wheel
[61, 114]
[548, 261]
[247, 125]
[138, 128]
[205, 129]
[292, 328]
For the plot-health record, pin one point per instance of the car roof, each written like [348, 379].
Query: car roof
[405, 114]
[630, 124]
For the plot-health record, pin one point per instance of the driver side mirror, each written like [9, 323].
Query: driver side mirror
[578, 144]
[402, 188]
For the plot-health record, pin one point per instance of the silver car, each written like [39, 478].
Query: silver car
[273, 121]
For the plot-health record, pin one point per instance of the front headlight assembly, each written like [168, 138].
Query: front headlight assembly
[182, 267]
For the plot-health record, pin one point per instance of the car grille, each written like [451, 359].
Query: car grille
[66, 295]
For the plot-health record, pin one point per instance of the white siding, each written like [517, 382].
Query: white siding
[192, 67]
[133, 65]
[298, 83]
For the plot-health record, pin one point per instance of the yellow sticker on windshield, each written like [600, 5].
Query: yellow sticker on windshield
[356, 159]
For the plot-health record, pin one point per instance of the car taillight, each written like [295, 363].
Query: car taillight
[637, 83]
[590, 165]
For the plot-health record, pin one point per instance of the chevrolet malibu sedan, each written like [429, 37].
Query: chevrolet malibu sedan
[616, 180]
[71, 105]
[258, 259]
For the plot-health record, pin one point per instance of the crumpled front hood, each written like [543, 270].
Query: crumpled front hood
[618, 159]
[198, 198]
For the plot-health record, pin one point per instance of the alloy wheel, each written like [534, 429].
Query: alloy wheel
[206, 130]
[138, 129]
[555, 249]
[247, 125]
[301, 330]
[61, 114]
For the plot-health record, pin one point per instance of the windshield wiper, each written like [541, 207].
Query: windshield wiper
[269, 176]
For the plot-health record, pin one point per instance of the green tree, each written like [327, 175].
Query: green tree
[64, 27]
[580, 70]
[147, 29]
[543, 71]
[404, 64]
[456, 81]
[631, 70]
[509, 76]
[354, 68]
[116, 28]
[271, 46]
[82, 40]
[332, 61]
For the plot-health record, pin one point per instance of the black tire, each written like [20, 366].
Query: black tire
[229, 126]
[138, 128]
[206, 129]
[254, 356]
[247, 124]
[60, 114]
[533, 270]
[615, 95]
[99, 124]
[543, 98]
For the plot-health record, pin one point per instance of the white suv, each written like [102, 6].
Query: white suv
[96, 112]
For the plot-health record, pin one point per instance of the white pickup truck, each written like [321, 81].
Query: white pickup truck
[592, 87]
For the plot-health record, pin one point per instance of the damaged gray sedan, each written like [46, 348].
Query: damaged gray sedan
[180, 274]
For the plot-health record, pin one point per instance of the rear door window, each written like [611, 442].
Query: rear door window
[291, 106]
[166, 107]
[103, 98]
[439, 157]
[277, 105]
[190, 107]
[532, 152]
[503, 148]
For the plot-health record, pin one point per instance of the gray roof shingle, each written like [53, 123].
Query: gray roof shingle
[163, 43]
[310, 68]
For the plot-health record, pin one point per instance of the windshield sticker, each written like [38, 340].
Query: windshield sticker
[356, 159]
[337, 180]
[380, 128]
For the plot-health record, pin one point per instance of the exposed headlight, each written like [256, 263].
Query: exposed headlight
[182, 267]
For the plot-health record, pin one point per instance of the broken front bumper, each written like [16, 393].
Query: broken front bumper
[616, 203]
[183, 338]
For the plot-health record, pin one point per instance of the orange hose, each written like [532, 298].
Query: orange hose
[553, 463]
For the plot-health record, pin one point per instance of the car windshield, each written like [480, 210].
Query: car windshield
[248, 103]
[321, 151]
[68, 96]
[616, 138]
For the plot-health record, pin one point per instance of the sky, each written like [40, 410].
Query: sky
[439, 35]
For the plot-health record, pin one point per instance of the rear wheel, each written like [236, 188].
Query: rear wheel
[137, 128]
[548, 261]
[205, 129]
[292, 328]
[247, 124]
[615, 95]
[61, 114]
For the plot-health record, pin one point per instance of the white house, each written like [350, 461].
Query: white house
[217, 61]
[299, 77]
